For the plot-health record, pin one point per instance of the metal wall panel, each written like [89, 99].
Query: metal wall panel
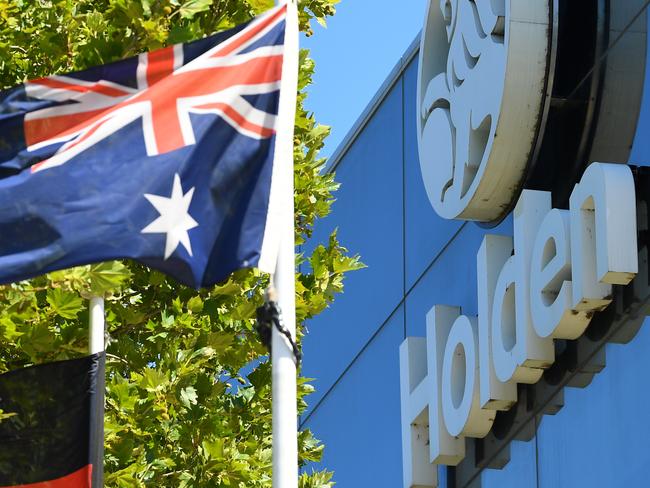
[600, 437]
[451, 278]
[368, 215]
[359, 421]
[641, 147]
[520, 472]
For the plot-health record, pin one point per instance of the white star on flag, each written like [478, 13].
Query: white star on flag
[174, 218]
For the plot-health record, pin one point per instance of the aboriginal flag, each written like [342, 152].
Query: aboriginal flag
[53, 436]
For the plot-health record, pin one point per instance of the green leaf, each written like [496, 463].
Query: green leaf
[195, 304]
[8, 329]
[220, 341]
[7, 415]
[260, 6]
[107, 277]
[146, 7]
[192, 7]
[188, 396]
[67, 304]
[180, 33]
[213, 449]
[185, 479]
[229, 288]
[122, 393]
[124, 478]
[153, 380]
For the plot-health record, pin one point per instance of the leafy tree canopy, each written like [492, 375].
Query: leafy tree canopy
[179, 411]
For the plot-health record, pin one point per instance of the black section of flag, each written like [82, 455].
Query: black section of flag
[58, 426]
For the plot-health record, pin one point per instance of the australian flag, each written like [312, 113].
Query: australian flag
[168, 158]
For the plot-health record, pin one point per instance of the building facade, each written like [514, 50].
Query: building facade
[593, 430]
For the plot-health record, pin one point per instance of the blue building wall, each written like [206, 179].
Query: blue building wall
[415, 260]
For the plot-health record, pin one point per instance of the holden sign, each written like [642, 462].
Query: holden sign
[505, 111]
[481, 84]
[544, 284]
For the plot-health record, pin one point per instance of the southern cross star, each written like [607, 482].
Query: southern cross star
[174, 218]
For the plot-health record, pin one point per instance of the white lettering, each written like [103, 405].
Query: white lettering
[415, 397]
[551, 291]
[491, 257]
[559, 273]
[445, 447]
[603, 234]
[461, 407]
[532, 352]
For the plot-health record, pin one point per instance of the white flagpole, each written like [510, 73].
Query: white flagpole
[96, 345]
[284, 388]
[285, 413]
[96, 339]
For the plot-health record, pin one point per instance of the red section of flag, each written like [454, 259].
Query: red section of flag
[227, 111]
[79, 479]
[41, 129]
[109, 91]
[166, 128]
[160, 64]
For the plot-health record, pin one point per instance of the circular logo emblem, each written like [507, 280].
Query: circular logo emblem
[481, 87]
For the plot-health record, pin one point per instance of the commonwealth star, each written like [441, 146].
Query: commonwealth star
[174, 220]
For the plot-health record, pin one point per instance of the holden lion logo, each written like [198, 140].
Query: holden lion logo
[483, 70]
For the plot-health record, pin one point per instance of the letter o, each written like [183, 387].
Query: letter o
[459, 376]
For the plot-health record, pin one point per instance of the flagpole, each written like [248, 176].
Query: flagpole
[284, 387]
[96, 345]
[285, 413]
[96, 339]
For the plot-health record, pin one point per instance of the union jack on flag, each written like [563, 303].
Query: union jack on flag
[166, 158]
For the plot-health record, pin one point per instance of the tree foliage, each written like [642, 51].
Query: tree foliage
[180, 412]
